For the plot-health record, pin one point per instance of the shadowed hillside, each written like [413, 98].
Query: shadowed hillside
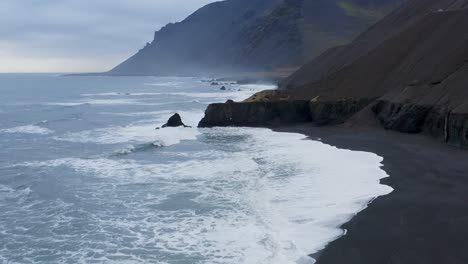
[413, 63]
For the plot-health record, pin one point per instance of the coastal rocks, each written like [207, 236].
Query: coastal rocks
[223, 88]
[175, 121]
[272, 107]
[269, 108]
[450, 126]
[457, 129]
[269, 96]
[336, 112]
[256, 114]
[407, 118]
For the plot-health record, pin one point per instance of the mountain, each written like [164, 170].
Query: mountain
[339, 57]
[409, 71]
[253, 35]
[413, 64]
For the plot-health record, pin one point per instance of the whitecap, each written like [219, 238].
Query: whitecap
[141, 131]
[133, 133]
[137, 148]
[28, 129]
[98, 102]
[275, 197]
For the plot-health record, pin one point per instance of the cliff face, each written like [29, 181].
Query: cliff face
[276, 108]
[418, 71]
[256, 114]
[411, 68]
[253, 35]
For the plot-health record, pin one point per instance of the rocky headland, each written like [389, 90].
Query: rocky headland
[409, 74]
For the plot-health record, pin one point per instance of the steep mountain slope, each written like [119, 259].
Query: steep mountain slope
[418, 72]
[253, 35]
[396, 22]
[409, 70]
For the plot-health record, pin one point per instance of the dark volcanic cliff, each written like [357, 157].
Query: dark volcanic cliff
[253, 35]
[410, 69]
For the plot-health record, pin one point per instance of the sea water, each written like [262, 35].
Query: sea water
[86, 178]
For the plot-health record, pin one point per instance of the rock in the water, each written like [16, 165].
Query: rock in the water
[175, 121]
[229, 101]
[223, 88]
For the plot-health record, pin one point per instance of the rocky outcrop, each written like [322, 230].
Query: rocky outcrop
[335, 112]
[174, 121]
[407, 118]
[437, 121]
[266, 112]
[256, 114]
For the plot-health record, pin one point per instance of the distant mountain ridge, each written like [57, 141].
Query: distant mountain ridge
[253, 35]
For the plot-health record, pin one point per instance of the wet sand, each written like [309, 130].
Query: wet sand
[425, 220]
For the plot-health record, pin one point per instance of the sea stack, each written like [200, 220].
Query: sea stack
[174, 121]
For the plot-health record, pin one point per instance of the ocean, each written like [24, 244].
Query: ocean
[86, 178]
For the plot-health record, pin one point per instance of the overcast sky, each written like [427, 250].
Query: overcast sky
[81, 35]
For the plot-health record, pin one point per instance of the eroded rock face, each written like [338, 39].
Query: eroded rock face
[264, 113]
[457, 129]
[336, 112]
[256, 114]
[439, 122]
[408, 118]
[446, 125]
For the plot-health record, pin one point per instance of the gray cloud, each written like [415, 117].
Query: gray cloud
[80, 35]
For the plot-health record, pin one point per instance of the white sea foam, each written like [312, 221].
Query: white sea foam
[28, 129]
[241, 195]
[104, 94]
[99, 102]
[141, 131]
[274, 200]
[234, 92]
[7, 193]
[132, 134]
[165, 84]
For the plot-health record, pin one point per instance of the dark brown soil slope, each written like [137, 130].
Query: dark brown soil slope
[396, 22]
[414, 62]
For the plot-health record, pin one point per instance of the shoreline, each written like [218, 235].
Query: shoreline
[425, 218]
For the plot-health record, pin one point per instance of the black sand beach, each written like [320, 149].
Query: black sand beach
[425, 220]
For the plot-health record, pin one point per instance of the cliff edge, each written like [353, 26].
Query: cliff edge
[411, 74]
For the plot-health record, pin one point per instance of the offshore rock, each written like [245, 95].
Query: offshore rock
[175, 121]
